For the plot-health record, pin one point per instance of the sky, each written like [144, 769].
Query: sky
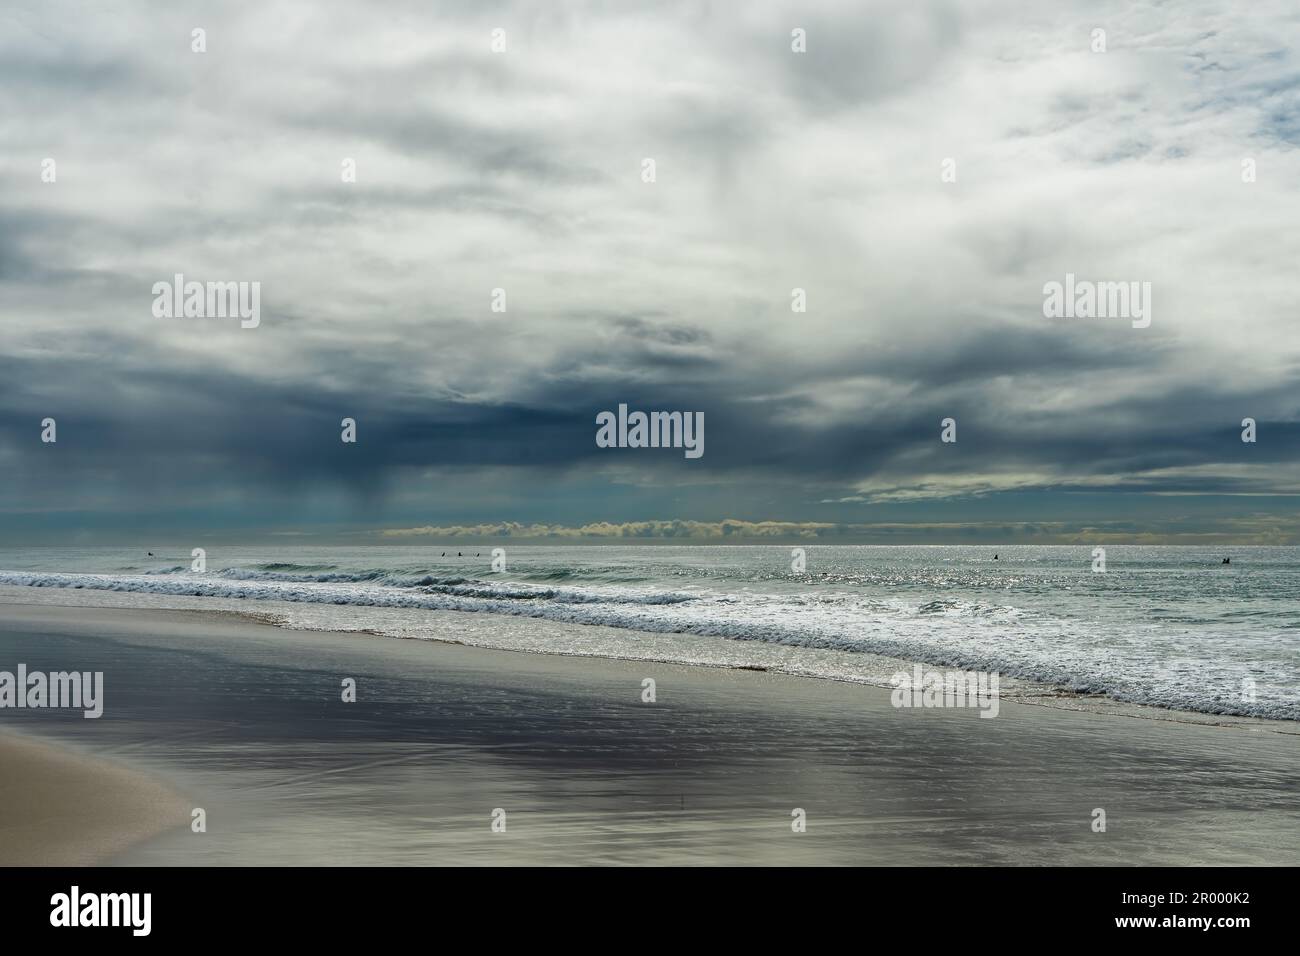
[522, 169]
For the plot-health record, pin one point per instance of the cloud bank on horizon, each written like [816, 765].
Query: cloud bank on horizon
[522, 170]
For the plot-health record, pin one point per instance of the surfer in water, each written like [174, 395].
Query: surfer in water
[1227, 560]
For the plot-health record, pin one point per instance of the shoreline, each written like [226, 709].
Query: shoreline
[1037, 695]
[1059, 662]
[281, 615]
[247, 719]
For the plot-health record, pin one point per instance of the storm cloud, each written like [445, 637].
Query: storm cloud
[521, 170]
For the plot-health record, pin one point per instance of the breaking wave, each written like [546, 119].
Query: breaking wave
[969, 634]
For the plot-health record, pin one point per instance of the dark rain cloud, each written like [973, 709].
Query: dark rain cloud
[522, 170]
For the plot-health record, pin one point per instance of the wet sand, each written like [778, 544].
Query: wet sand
[248, 722]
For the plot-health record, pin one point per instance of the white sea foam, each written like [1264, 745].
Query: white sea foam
[1146, 665]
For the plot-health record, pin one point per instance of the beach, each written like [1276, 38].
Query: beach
[59, 807]
[247, 722]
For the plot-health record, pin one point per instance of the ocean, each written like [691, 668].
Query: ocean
[1170, 627]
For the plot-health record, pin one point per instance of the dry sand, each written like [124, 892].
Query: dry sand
[62, 808]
